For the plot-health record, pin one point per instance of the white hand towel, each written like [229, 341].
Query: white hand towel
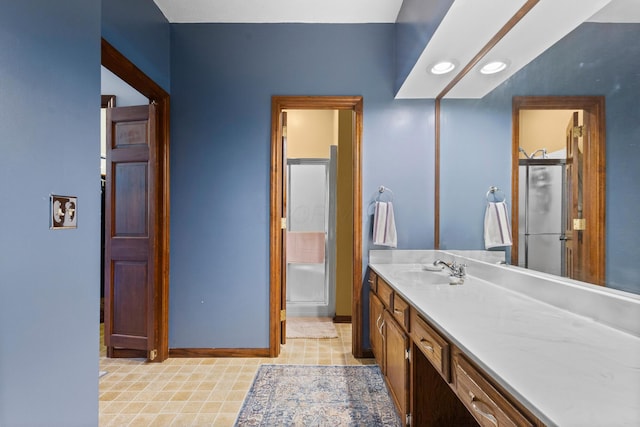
[497, 230]
[384, 225]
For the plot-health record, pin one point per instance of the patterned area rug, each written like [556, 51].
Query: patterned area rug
[305, 395]
[311, 327]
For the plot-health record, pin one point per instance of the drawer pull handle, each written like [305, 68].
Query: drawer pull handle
[483, 409]
[426, 344]
[396, 311]
[370, 281]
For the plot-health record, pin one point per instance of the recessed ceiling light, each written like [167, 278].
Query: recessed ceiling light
[443, 67]
[493, 67]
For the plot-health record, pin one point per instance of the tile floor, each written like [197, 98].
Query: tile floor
[202, 391]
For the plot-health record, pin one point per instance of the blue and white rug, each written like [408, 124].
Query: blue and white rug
[308, 395]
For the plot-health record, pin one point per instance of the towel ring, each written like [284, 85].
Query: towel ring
[493, 191]
[381, 190]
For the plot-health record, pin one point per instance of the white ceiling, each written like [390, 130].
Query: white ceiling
[466, 28]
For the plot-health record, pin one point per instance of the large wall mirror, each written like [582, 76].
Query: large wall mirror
[597, 59]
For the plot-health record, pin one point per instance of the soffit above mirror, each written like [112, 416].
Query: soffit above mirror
[469, 25]
[464, 30]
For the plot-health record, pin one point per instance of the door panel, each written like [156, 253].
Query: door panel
[130, 279]
[130, 220]
[131, 200]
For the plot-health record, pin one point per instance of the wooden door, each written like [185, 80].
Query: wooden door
[132, 290]
[575, 221]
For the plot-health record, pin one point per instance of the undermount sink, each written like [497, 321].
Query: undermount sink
[423, 277]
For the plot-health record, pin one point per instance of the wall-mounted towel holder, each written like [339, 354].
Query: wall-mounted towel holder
[495, 192]
[383, 189]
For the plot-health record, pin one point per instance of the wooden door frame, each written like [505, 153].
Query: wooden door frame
[595, 171]
[278, 104]
[119, 65]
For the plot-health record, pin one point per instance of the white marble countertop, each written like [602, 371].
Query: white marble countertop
[566, 368]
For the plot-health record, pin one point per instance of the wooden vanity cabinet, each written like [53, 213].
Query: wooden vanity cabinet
[390, 342]
[431, 381]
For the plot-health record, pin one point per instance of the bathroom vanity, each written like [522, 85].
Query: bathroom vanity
[509, 346]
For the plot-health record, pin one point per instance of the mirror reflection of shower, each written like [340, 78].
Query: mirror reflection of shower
[542, 191]
[542, 212]
[533, 155]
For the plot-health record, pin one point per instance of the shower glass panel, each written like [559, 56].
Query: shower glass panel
[308, 292]
[542, 213]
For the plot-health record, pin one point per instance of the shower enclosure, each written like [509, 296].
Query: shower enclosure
[310, 278]
[542, 215]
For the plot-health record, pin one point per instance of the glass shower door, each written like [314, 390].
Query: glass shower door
[308, 292]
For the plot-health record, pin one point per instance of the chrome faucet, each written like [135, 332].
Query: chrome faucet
[457, 270]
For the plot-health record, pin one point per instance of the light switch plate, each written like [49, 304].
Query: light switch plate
[64, 212]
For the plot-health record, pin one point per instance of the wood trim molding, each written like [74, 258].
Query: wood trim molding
[278, 104]
[342, 319]
[107, 101]
[119, 65]
[436, 178]
[595, 181]
[219, 352]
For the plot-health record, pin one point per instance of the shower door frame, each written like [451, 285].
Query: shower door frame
[329, 284]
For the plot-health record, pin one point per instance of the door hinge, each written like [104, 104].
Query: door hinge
[407, 354]
[578, 131]
[153, 354]
[283, 315]
[579, 224]
[283, 223]
[408, 419]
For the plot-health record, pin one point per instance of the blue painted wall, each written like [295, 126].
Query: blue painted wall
[417, 21]
[49, 280]
[139, 31]
[222, 80]
[595, 59]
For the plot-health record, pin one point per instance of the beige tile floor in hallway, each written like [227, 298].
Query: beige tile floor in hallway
[200, 391]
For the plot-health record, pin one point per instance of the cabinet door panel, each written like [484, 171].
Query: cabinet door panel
[397, 343]
[375, 329]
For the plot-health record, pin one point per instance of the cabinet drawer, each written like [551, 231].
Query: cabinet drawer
[489, 407]
[401, 311]
[385, 293]
[431, 343]
[373, 281]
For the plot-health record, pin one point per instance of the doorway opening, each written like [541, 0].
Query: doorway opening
[280, 224]
[127, 333]
[558, 186]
